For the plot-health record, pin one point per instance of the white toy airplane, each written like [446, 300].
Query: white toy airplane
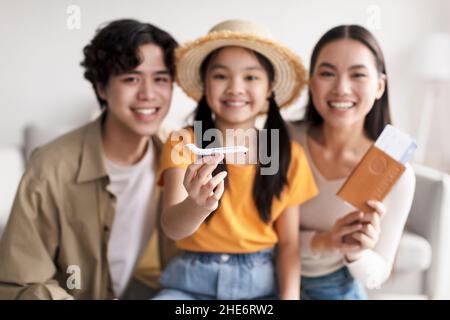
[210, 151]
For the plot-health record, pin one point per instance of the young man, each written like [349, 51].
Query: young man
[87, 203]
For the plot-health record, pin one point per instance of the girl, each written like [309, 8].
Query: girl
[348, 107]
[228, 229]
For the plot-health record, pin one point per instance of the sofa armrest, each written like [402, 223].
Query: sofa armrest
[12, 165]
[430, 218]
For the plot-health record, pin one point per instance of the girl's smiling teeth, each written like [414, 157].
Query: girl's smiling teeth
[235, 103]
[341, 104]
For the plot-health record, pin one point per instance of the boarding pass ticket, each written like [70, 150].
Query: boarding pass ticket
[396, 143]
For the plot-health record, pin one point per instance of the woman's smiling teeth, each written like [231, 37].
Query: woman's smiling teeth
[145, 111]
[341, 105]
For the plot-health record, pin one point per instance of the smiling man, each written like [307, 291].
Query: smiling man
[87, 204]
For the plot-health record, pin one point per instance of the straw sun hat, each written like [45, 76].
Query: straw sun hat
[290, 74]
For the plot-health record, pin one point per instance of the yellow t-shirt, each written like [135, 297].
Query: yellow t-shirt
[236, 226]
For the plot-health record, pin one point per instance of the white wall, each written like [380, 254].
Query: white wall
[41, 80]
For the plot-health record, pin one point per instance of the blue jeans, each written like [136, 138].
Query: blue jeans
[338, 285]
[208, 276]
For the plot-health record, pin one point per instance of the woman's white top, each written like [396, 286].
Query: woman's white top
[320, 213]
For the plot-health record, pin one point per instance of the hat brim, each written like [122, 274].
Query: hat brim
[290, 74]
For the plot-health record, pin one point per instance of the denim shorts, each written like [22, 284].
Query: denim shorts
[211, 276]
[338, 285]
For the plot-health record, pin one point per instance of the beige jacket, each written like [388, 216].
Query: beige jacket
[55, 243]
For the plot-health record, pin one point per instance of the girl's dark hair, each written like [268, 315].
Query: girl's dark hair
[265, 187]
[114, 50]
[379, 115]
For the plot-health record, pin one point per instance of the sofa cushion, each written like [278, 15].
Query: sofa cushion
[414, 253]
[37, 135]
[11, 170]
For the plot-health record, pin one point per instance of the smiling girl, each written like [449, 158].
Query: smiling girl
[228, 230]
[343, 249]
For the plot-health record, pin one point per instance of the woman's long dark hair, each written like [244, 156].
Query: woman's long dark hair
[265, 187]
[379, 115]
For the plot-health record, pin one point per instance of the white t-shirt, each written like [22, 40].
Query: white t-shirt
[320, 213]
[134, 220]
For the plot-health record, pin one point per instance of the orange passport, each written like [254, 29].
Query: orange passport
[373, 178]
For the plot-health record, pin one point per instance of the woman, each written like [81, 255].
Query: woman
[343, 249]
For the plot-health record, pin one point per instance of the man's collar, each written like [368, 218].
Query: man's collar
[92, 156]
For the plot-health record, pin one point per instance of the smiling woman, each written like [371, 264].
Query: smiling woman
[343, 249]
[346, 82]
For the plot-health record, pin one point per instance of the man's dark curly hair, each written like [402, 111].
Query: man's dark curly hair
[114, 50]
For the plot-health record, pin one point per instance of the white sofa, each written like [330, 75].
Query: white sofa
[11, 169]
[422, 264]
[13, 161]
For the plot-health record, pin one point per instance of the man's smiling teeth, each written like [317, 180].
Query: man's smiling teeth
[146, 111]
[341, 105]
